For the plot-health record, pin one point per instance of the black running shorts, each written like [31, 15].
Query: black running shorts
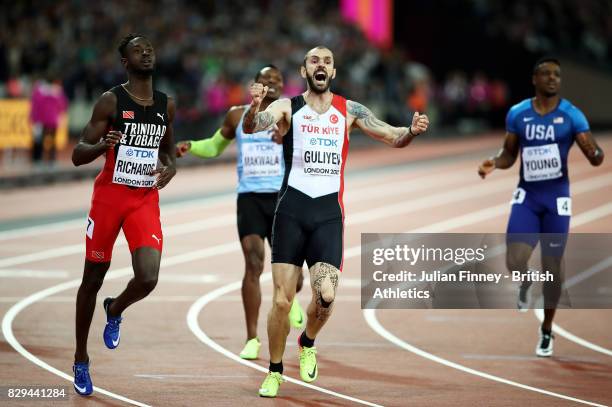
[308, 229]
[256, 214]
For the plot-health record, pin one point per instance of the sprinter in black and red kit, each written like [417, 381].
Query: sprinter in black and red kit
[131, 125]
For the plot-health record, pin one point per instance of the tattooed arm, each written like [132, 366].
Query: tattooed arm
[398, 137]
[589, 148]
[255, 121]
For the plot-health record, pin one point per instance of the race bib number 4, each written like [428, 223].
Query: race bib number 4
[133, 166]
[320, 156]
[541, 163]
[564, 206]
[261, 159]
[518, 196]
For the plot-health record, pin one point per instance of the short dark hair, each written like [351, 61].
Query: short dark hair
[125, 41]
[543, 60]
[258, 74]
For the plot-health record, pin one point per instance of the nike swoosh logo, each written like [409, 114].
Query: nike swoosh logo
[301, 319]
[314, 372]
[80, 389]
[115, 343]
[527, 119]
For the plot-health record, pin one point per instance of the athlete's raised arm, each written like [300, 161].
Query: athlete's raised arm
[398, 137]
[167, 155]
[95, 139]
[255, 121]
[504, 159]
[213, 146]
[589, 147]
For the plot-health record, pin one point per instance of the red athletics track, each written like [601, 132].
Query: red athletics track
[177, 345]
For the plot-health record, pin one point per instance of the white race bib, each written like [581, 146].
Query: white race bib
[261, 159]
[320, 156]
[518, 196]
[133, 166]
[564, 206]
[541, 163]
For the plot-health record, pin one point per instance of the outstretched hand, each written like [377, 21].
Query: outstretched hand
[182, 148]
[486, 168]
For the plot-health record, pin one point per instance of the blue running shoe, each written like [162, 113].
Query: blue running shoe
[82, 382]
[111, 330]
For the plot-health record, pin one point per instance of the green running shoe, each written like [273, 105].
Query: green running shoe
[308, 364]
[251, 349]
[296, 314]
[269, 387]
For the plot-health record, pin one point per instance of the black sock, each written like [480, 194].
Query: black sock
[306, 341]
[276, 367]
[546, 331]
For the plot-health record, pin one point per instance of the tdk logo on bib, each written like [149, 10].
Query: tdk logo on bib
[140, 153]
[324, 142]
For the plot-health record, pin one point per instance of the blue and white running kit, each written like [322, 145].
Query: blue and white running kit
[260, 175]
[542, 202]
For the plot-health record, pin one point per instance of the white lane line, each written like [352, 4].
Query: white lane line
[62, 226]
[482, 215]
[227, 220]
[79, 248]
[189, 278]
[11, 314]
[11, 273]
[431, 201]
[559, 330]
[370, 317]
[190, 376]
[370, 314]
[539, 313]
[181, 207]
[578, 220]
[7, 322]
[196, 308]
[9, 317]
[7, 330]
[170, 298]
[192, 322]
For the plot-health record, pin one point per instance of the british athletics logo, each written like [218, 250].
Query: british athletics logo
[128, 114]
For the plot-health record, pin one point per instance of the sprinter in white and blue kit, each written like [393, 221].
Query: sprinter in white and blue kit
[261, 169]
[542, 129]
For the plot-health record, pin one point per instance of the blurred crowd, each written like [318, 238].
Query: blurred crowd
[208, 51]
[550, 26]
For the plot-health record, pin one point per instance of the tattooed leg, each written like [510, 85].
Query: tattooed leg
[324, 282]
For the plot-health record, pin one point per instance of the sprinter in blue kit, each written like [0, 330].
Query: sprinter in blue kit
[542, 129]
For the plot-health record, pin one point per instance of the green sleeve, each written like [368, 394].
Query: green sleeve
[210, 147]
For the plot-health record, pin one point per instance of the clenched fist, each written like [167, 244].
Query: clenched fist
[258, 93]
[419, 125]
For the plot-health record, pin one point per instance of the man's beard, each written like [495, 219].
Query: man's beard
[312, 86]
[143, 73]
